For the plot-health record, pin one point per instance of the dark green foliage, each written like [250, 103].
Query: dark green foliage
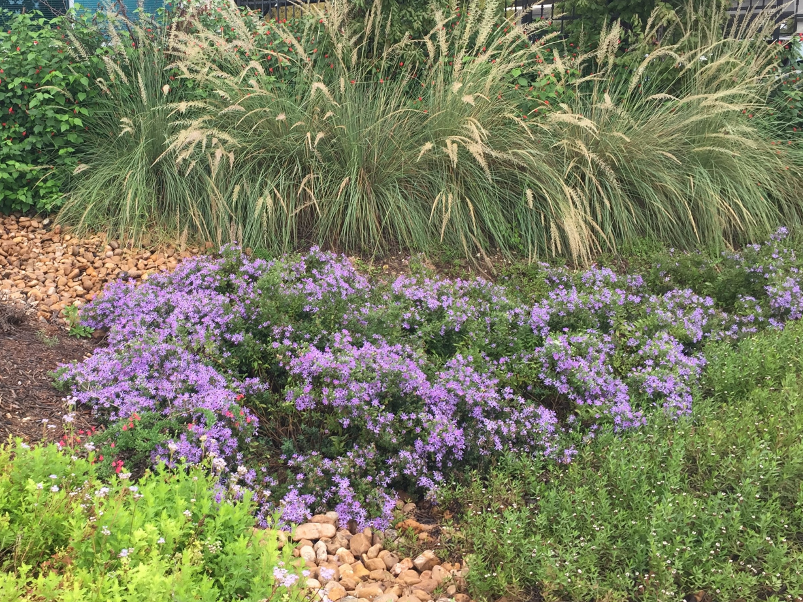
[415, 17]
[586, 18]
[46, 96]
[720, 276]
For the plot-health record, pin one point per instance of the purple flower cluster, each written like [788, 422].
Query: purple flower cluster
[418, 426]
[401, 383]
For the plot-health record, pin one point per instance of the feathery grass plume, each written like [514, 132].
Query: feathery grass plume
[381, 146]
[129, 188]
[679, 156]
[361, 144]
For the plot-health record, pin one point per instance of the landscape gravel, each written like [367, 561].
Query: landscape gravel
[51, 269]
[353, 567]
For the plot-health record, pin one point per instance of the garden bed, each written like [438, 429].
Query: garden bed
[238, 365]
[316, 388]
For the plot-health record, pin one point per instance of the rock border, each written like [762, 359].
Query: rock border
[357, 567]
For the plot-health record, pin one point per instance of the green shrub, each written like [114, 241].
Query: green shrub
[709, 507]
[67, 535]
[786, 117]
[724, 277]
[758, 362]
[46, 99]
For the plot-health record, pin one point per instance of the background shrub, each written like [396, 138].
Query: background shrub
[47, 98]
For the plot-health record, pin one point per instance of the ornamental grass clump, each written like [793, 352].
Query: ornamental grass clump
[311, 387]
[283, 135]
[119, 180]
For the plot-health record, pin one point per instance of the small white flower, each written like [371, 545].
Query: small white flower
[68, 417]
[133, 489]
[124, 475]
[187, 513]
[55, 488]
[40, 485]
[160, 540]
[53, 476]
[172, 447]
[105, 530]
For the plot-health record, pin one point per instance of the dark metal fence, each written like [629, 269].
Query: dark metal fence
[557, 12]
[788, 18]
[278, 9]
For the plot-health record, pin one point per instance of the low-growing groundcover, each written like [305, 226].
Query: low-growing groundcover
[67, 535]
[705, 508]
[314, 388]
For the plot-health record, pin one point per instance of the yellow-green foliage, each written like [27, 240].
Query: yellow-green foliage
[66, 535]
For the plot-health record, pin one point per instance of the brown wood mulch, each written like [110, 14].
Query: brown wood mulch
[29, 351]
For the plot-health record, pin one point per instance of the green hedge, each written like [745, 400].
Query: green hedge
[46, 94]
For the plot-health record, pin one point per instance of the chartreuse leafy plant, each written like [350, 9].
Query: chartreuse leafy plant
[46, 99]
[708, 507]
[65, 534]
